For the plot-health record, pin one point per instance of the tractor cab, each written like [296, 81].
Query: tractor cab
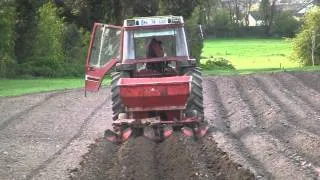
[140, 32]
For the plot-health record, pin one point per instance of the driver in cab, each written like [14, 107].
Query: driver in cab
[155, 49]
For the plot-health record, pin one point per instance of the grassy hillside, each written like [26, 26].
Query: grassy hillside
[251, 53]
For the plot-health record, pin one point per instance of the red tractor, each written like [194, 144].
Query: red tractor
[156, 86]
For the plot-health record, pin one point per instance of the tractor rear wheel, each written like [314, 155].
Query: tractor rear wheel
[195, 101]
[117, 105]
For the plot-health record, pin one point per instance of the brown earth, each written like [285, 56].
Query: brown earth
[267, 127]
[175, 158]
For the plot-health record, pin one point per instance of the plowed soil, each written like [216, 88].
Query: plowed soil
[265, 126]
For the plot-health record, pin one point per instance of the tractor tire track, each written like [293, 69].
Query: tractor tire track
[15, 117]
[275, 123]
[44, 164]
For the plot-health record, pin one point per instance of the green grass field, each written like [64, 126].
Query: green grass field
[247, 56]
[13, 87]
[263, 70]
[251, 54]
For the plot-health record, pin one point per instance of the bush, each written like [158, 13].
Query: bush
[303, 41]
[39, 66]
[216, 63]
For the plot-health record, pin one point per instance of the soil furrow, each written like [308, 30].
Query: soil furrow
[15, 117]
[135, 158]
[99, 163]
[70, 158]
[260, 145]
[231, 98]
[216, 114]
[270, 119]
[297, 111]
[309, 79]
[212, 163]
[77, 134]
[175, 158]
[300, 96]
[308, 95]
[43, 132]
[278, 111]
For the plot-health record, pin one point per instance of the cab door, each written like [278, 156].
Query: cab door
[103, 54]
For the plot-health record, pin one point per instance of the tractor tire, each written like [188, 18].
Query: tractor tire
[195, 101]
[117, 105]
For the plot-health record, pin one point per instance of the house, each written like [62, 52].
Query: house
[255, 19]
[297, 7]
[304, 9]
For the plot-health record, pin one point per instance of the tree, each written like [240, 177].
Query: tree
[207, 11]
[47, 53]
[267, 9]
[221, 25]
[7, 37]
[26, 12]
[194, 35]
[237, 10]
[131, 8]
[285, 25]
[303, 42]
[207, 14]
[177, 7]
[190, 10]
[247, 4]
[234, 14]
[86, 12]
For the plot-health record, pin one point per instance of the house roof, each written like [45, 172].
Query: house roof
[296, 7]
[256, 15]
[307, 6]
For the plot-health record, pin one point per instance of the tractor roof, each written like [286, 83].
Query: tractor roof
[153, 20]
